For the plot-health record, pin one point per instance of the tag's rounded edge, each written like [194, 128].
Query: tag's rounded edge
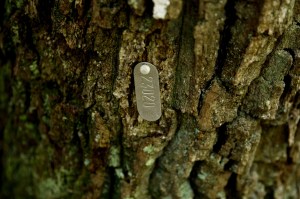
[136, 70]
[146, 63]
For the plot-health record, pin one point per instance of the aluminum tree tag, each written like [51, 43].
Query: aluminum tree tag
[147, 91]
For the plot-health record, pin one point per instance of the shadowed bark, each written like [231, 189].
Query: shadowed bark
[229, 73]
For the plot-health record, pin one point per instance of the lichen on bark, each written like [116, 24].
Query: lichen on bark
[229, 76]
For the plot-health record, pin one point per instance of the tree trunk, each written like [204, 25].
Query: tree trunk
[229, 75]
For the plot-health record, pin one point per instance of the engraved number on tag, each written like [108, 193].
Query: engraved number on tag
[147, 91]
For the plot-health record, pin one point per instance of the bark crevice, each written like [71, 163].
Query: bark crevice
[226, 35]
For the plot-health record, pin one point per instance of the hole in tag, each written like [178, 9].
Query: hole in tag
[147, 91]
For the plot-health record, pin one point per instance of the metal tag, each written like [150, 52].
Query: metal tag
[147, 91]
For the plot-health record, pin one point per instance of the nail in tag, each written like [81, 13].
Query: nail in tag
[147, 91]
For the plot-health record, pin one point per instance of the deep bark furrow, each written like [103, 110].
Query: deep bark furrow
[229, 80]
[184, 78]
[231, 17]
[229, 155]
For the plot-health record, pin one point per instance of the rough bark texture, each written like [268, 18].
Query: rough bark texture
[229, 76]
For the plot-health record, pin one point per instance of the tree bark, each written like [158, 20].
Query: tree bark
[229, 75]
